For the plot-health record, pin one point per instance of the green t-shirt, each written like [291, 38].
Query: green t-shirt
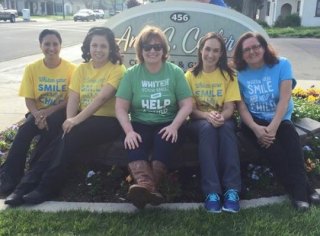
[154, 97]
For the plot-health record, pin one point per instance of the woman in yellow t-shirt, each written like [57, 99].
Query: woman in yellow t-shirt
[215, 89]
[44, 86]
[90, 117]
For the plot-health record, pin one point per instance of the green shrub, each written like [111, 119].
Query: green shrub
[303, 108]
[292, 20]
[263, 23]
[132, 3]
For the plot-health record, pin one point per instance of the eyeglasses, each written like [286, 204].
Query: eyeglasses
[253, 48]
[148, 47]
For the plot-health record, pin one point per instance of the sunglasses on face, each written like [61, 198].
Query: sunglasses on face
[253, 48]
[148, 47]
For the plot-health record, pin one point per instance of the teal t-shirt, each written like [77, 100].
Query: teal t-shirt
[154, 97]
[260, 89]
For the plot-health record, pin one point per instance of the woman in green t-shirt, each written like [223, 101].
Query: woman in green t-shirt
[159, 100]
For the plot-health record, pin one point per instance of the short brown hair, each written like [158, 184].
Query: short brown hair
[145, 36]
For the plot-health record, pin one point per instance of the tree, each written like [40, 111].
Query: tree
[88, 3]
[234, 4]
[250, 7]
[132, 3]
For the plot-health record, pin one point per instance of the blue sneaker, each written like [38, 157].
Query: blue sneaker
[231, 201]
[212, 203]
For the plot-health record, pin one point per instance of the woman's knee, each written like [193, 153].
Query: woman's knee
[56, 119]
[228, 128]
[203, 126]
[28, 124]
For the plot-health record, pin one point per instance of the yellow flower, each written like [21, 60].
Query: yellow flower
[311, 94]
[311, 98]
[313, 91]
[299, 92]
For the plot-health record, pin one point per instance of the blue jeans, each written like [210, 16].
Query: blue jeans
[151, 140]
[218, 156]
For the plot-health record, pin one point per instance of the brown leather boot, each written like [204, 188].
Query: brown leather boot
[159, 171]
[144, 191]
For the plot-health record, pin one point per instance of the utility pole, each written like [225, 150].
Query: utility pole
[54, 7]
[64, 15]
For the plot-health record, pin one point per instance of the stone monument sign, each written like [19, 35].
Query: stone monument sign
[184, 23]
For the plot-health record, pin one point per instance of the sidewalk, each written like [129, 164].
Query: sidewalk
[52, 206]
[12, 107]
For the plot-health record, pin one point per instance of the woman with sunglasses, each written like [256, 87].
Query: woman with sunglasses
[158, 99]
[266, 82]
[90, 118]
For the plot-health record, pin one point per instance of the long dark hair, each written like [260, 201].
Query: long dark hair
[114, 51]
[270, 57]
[222, 64]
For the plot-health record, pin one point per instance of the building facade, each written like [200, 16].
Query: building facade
[308, 10]
[46, 7]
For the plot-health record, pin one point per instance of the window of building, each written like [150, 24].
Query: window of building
[298, 6]
[318, 9]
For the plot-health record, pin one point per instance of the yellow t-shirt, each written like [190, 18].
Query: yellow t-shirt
[47, 86]
[88, 82]
[211, 90]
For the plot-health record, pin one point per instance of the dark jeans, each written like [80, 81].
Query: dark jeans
[151, 139]
[286, 158]
[15, 163]
[218, 156]
[50, 171]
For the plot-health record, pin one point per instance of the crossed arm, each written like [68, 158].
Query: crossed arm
[40, 115]
[267, 134]
[216, 118]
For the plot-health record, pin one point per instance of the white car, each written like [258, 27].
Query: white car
[8, 14]
[99, 13]
[84, 15]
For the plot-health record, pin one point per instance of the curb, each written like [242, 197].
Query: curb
[53, 206]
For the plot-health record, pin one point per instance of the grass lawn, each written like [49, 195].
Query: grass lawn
[278, 219]
[67, 17]
[297, 32]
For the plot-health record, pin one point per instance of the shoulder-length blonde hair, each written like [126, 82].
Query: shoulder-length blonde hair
[145, 36]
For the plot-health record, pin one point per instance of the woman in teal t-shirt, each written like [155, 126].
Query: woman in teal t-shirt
[266, 82]
[159, 100]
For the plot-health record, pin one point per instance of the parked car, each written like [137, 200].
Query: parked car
[8, 14]
[99, 13]
[84, 15]
[112, 12]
